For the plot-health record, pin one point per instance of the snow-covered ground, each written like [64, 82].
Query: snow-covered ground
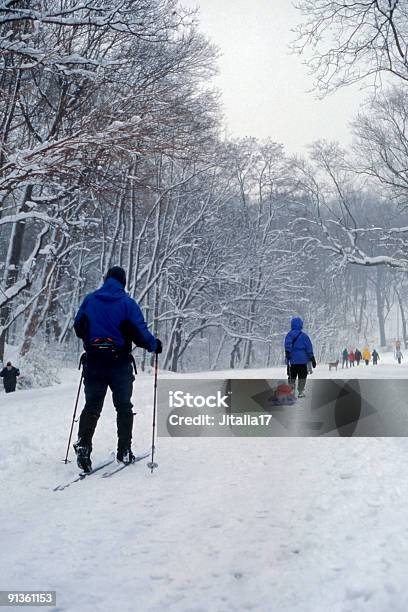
[224, 524]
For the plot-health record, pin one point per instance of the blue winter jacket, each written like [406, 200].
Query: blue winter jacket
[298, 347]
[105, 312]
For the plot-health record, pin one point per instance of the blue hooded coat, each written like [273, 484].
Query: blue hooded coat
[298, 347]
[106, 310]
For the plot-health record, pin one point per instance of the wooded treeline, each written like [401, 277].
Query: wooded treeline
[112, 152]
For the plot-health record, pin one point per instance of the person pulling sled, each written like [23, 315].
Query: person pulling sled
[298, 352]
[108, 321]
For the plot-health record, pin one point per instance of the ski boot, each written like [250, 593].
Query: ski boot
[125, 455]
[83, 454]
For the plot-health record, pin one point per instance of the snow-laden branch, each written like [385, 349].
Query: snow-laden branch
[352, 254]
[25, 216]
[9, 294]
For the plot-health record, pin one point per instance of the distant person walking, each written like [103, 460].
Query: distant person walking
[345, 357]
[298, 352]
[358, 356]
[352, 358]
[9, 374]
[366, 355]
[398, 355]
[375, 356]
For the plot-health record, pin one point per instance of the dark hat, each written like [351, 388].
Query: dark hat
[8, 363]
[117, 273]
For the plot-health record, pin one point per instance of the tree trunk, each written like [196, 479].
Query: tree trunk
[12, 263]
[176, 347]
[403, 319]
[379, 287]
[235, 353]
[218, 352]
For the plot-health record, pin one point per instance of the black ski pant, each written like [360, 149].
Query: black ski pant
[115, 372]
[10, 388]
[298, 371]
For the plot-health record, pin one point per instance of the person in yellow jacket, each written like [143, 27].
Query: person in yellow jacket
[366, 355]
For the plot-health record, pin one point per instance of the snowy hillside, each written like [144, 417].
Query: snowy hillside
[305, 524]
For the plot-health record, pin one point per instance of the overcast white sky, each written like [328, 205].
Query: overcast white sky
[264, 87]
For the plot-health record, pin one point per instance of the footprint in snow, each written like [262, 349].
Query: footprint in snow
[356, 592]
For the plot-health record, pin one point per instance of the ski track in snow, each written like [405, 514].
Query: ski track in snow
[223, 524]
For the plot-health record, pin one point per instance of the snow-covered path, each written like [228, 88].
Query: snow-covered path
[386, 368]
[307, 524]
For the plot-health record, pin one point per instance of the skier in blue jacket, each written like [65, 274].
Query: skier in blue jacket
[298, 351]
[108, 321]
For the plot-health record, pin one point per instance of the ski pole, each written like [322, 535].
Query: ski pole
[151, 463]
[75, 409]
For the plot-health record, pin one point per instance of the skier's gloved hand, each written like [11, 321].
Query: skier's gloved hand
[159, 347]
[313, 360]
[287, 357]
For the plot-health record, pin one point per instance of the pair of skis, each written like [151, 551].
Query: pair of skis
[101, 466]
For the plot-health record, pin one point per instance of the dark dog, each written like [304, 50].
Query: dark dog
[333, 364]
